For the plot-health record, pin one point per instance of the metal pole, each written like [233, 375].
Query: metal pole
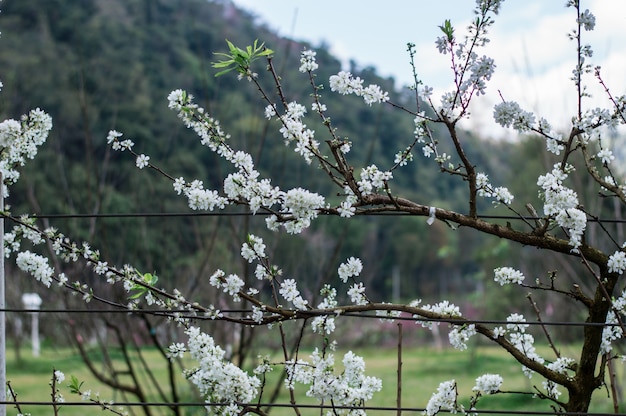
[3, 332]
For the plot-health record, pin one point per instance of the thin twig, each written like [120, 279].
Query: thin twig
[543, 327]
[613, 381]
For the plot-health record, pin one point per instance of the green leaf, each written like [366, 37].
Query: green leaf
[75, 385]
[149, 279]
[448, 30]
[239, 59]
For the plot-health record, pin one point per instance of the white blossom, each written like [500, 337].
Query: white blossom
[59, 377]
[606, 155]
[19, 141]
[562, 203]
[344, 83]
[459, 336]
[587, 19]
[349, 388]
[101, 267]
[506, 275]
[351, 268]
[142, 161]
[509, 114]
[561, 365]
[253, 249]
[617, 262]
[611, 332]
[515, 319]
[36, 265]
[290, 292]
[307, 61]
[217, 380]
[444, 308]
[443, 399]
[373, 179]
[551, 388]
[357, 294]
[270, 112]
[488, 383]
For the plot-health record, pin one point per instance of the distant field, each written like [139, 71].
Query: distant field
[423, 370]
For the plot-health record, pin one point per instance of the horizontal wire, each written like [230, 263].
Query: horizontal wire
[161, 312]
[250, 214]
[302, 406]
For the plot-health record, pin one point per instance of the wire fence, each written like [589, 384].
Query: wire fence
[261, 214]
[253, 407]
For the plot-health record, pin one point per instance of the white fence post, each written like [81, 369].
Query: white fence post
[33, 301]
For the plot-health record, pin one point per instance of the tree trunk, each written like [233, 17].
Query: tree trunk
[586, 381]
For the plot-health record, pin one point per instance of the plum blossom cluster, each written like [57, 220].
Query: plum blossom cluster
[471, 72]
[290, 292]
[57, 378]
[70, 251]
[253, 249]
[403, 157]
[617, 262]
[561, 365]
[500, 194]
[231, 284]
[351, 268]
[294, 130]
[373, 179]
[613, 330]
[344, 83]
[445, 309]
[508, 275]
[561, 203]
[346, 209]
[596, 117]
[325, 324]
[606, 156]
[480, 71]
[460, 335]
[19, 140]
[199, 198]
[488, 383]
[218, 380]
[304, 206]
[357, 294]
[509, 114]
[307, 61]
[241, 185]
[587, 20]
[113, 139]
[36, 265]
[421, 134]
[298, 206]
[351, 388]
[522, 340]
[445, 398]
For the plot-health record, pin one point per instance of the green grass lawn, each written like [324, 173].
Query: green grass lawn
[423, 369]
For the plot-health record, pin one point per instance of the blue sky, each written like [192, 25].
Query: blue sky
[534, 58]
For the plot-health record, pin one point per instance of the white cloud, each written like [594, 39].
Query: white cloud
[533, 55]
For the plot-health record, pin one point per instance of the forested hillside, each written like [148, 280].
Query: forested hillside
[97, 65]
